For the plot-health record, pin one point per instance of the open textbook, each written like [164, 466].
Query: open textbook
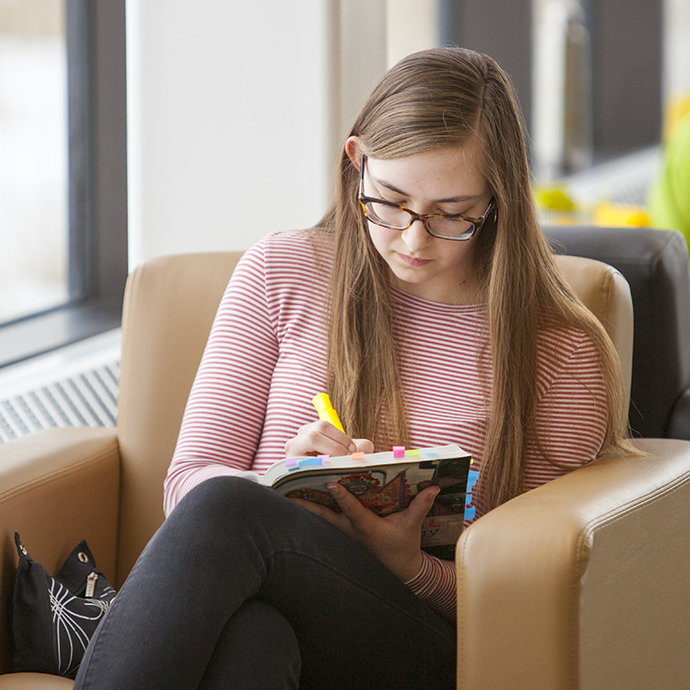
[386, 483]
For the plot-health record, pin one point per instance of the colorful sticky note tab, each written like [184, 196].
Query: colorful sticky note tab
[291, 462]
[324, 458]
[412, 452]
[398, 451]
[359, 455]
[310, 462]
[470, 510]
[429, 453]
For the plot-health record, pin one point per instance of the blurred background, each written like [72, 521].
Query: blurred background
[130, 129]
[227, 104]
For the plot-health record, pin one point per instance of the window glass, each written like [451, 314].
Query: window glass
[33, 157]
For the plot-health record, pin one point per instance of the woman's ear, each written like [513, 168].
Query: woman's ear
[353, 151]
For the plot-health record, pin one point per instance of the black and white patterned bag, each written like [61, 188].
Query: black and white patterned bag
[53, 618]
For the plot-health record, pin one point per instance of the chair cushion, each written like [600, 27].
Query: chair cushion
[34, 681]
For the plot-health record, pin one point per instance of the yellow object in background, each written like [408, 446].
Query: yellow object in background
[558, 207]
[618, 215]
[553, 198]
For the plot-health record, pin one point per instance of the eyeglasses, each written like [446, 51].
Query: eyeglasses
[446, 226]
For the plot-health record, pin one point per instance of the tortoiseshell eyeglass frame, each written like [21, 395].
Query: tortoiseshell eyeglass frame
[414, 216]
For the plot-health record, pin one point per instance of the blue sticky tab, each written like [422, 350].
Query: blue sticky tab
[429, 453]
[470, 510]
[310, 462]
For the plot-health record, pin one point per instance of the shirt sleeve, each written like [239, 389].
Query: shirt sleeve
[223, 420]
[572, 410]
[435, 584]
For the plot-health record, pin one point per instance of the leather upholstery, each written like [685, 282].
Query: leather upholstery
[34, 681]
[63, 485]
[580, 583]
[655, 264]
[169, 308]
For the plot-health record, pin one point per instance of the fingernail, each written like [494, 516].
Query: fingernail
[352, 448]
[333, 488]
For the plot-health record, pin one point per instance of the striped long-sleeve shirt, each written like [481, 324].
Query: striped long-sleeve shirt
[266, 359]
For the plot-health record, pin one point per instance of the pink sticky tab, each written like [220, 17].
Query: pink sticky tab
[398, 451]
[291, 462]
[359, 455]
[324, 458]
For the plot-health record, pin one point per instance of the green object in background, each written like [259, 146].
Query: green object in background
[669, 197]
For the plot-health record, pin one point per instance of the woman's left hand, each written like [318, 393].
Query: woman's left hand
[393, 539]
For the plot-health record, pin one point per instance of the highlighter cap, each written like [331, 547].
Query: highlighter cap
[322, 402]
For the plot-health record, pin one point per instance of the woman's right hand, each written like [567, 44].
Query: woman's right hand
[322, 438]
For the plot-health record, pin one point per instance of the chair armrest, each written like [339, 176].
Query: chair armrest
[582, 583]
[57, 487]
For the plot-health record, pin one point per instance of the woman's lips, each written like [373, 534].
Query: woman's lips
[414, 262]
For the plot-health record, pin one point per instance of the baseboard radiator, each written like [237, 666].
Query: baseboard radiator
[84, 399]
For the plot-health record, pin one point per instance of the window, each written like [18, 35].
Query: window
[33, 171]
[621, 50]
[63, 181]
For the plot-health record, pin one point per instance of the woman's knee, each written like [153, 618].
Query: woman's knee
[231, 503]
[220, 494]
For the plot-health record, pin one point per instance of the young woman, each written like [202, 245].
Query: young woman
[427, 304]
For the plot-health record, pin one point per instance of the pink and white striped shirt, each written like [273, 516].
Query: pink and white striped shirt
[265, 360]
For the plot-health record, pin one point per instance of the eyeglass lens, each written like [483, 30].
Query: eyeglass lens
[399, 219]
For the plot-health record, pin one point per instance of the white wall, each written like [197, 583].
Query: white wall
[676, 50]
[412, 25]
[235, 112]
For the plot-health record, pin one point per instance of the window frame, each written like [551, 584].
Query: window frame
[626, 45]
[97, 207]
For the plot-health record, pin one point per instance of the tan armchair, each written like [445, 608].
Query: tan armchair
[578, 584]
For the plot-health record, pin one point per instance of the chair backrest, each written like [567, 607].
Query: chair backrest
[655, 264]
[169, 308]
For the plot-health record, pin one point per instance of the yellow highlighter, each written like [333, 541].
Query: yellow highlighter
[323, 406]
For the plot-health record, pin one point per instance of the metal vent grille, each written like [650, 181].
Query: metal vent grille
[85, 399]
[76, 385]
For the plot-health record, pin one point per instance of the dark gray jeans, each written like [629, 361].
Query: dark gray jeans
[241, 588]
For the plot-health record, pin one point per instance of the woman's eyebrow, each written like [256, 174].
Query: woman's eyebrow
[449, 200]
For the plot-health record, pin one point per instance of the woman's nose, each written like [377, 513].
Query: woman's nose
[416, 237]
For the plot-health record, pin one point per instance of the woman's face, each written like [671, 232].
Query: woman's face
[449, 180]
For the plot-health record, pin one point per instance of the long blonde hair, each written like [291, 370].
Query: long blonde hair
[433, 99]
